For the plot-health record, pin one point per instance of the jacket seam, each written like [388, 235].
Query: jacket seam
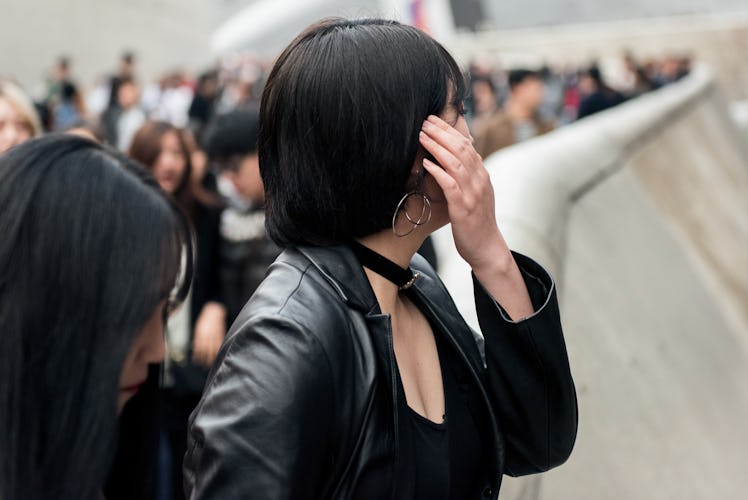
[546, 464]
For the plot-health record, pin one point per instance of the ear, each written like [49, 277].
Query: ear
[417, 170]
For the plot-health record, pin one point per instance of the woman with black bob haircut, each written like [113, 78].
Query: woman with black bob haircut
[90, 262]
[350, 373]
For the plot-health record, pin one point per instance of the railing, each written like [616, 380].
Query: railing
[641, 213]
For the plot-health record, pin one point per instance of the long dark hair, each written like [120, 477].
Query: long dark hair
[90, 246]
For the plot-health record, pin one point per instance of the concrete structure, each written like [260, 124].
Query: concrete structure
[508, 15]
[165, 34]
[641, 212]
[265, 27]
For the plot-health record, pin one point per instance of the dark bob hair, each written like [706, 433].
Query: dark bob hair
[90, 247]
[339, 124]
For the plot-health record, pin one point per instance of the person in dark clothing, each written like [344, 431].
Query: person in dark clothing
[110, 116]
[596, 95]
[196, 331]
[350, 374]
[203, 102]
[246, 251]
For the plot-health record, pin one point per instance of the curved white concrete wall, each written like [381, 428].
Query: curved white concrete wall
[641, 213]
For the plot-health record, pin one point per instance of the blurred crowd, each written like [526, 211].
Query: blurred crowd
[503, 106]
[508, 106]
[198, 137]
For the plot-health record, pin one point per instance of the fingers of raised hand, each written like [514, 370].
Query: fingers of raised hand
[461, 143]
[449, 185]
[459, 146]
[446, 160]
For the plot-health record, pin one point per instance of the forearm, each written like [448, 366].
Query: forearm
[503, 280]
[529, 376]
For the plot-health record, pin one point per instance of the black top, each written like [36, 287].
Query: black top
[440, 459]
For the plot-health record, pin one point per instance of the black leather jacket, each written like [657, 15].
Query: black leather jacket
[300, 402]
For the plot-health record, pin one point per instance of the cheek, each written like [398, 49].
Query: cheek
[462, 127]
[434, 192]
[24, 134]
[159, 165]
[128, 367]
[251, 179]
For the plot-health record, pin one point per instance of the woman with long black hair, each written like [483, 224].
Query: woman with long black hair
[350, 373]
[91, 260]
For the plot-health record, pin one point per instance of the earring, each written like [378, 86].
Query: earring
[423, 218]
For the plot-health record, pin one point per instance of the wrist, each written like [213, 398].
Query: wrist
[494, 265]
[492, 257]
[215, 309]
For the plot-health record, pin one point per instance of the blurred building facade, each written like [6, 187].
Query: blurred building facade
[171, 34]
[164, 34]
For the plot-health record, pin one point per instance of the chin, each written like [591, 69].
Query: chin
[122, 400]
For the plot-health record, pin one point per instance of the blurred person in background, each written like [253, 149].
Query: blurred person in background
[350, 374]
[60, 76]
[670, 70]
[109, 91]
[596, 95]
[204, 101]
[571, 96]
[129, 115]
[634, 81]
[685, 66]
[518, 119]
[125, 71]
[484, 100]
[196, 332]
[551, 108]
[202, 178]
[83, 304]
[68, 109]
[169, 100]
[19, 120]
[64, 103]
[231, 145]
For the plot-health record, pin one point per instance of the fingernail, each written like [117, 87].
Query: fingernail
[427, 125]
[422, 135]
[433, 118]
[428, 163]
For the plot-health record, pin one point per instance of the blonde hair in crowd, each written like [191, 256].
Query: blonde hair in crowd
[19, 100]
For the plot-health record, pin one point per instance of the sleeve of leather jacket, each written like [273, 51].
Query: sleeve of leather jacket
[528, 375]
[260, 430]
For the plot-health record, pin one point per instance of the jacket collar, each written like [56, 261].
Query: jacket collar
[339, 266]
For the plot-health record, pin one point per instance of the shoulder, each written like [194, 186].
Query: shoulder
[497, 120]
[294, 291]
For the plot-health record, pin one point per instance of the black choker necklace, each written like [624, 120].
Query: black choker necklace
[403, 278]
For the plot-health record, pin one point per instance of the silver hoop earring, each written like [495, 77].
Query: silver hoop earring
[423, 218]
